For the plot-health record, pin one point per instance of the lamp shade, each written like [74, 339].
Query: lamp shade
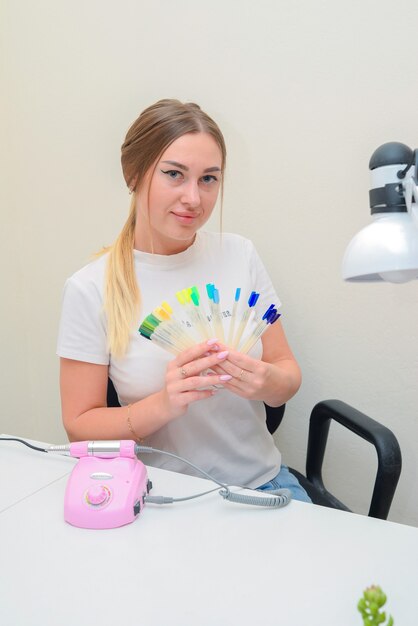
[386, 249]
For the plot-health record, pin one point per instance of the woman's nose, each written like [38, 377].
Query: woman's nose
[191, 195]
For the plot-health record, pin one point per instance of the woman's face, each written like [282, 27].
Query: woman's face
[178, 196]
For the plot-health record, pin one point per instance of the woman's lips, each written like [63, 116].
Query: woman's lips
[185, 218]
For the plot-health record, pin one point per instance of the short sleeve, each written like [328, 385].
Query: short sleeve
[82, 330]
[262, 280]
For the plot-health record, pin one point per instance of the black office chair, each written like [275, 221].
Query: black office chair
[385, 442]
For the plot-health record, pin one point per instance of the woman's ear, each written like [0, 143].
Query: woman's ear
[132, 184]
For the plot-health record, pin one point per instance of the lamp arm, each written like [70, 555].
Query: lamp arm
[410, 192]
[410, 187]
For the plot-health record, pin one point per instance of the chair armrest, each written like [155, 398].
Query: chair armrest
[386, 445]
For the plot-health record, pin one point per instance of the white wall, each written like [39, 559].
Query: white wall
[304, 91]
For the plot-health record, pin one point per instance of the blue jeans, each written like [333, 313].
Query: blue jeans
[286, 480]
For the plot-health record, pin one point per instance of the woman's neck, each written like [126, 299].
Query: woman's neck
[145, 242]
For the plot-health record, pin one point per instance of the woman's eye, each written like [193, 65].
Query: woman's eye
[174, 174]
[208, 178]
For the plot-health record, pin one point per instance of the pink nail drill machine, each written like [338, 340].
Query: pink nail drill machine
[107, 487]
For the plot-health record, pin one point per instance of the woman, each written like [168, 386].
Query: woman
[206, 403]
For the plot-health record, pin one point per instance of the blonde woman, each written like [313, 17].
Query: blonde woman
[206, 402]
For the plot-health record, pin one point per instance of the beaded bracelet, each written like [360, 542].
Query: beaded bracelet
[131, 428]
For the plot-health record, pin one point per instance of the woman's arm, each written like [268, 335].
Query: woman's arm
[84, 390]
[84, 411]
[274, 379]
[283, 377]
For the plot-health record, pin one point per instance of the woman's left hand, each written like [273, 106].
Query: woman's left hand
[251, 378]
[274, 380]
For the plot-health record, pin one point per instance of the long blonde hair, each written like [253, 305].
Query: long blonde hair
[146, 140]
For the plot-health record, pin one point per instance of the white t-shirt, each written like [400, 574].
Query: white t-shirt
[225, 435]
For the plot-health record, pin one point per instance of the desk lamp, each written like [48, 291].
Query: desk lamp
[387, 249]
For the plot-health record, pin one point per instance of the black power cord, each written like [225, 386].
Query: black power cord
[24, 442]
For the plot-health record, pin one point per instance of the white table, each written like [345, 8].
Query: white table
[205, 562]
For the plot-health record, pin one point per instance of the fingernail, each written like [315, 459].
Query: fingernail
[223, 354]
[225, 377]
[211, 342]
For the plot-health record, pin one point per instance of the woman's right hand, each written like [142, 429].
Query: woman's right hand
[83, 395]
[187, 379]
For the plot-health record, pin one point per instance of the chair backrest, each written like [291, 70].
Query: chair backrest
[274, 416]
[112, 396]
